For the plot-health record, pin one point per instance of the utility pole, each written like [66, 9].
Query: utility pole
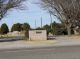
[35, 24]
[41, 22]
[51, 20]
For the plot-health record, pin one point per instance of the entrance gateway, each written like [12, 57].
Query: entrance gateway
[37, 35]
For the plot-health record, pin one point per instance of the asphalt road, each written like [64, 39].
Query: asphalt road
[43, 53]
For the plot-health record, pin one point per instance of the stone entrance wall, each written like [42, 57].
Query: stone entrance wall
[37, 35]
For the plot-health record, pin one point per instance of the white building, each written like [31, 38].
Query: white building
[37, 35]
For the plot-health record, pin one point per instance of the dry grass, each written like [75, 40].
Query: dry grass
[73, 37]
[40, 42]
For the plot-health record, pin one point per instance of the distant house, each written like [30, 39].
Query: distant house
[37, 35]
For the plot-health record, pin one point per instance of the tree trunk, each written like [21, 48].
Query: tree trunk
[69, 30]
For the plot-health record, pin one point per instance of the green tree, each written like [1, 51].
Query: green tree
[26, 28]
[4, 29]
[16, 27]
[47, 27]
[58, 29]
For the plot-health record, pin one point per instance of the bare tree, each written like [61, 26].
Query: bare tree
[5, 5]
[67, 11]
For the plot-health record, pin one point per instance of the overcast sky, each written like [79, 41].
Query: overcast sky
[33, 12]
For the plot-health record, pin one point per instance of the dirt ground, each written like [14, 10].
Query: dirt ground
[72, 37]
